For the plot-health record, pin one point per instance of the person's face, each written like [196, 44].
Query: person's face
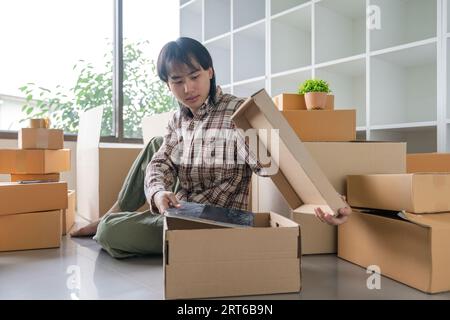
[190, 86]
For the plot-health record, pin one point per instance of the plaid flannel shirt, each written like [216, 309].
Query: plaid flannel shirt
[203, 150]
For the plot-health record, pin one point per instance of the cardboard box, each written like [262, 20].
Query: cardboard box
[410, 248]
[26, 231]
[412, 192]
[428, 162]
[52, 177]
[201, 260]
[337, 160]
[317, 237]
[293, 101]
[24, 198]
[323, 125]
[34, 161]
[298, 177]
[40, 138]
[68, 215]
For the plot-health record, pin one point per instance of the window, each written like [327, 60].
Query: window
[58, 60]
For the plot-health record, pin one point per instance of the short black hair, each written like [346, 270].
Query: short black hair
[184, 50]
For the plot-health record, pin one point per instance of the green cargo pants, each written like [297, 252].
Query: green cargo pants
[130, 233]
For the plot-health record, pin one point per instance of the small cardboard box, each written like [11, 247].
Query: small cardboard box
[323, 125]
[411, 192]
[51, 177]
[412, 249]
[428, 162]
[68, 215]
[337, 160]
[37, 230]
[293, 101]
[34, 161]
[299, 178]
[40, 138]
[24, 198]
[202, 260]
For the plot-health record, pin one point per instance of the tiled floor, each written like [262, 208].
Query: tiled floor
[52, 274]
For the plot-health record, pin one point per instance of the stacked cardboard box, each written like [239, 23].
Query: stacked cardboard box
[410, 237]
[31, 217]
[428, 162]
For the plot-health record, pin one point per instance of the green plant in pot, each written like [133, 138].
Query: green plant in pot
[315, 91]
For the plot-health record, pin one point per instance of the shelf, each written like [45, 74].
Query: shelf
[278, 6]
[420, 139]
[291, 40]
[448, 77]
[448, 16]
[247, 11]
[448, 139]
[289, 83]
[191, 20]
[361, 135]
[249, 53]
[217, 18]
[220, 51]
[403, 86]
[340, 29]
[185, 2]
[405, 127]
[247, 89]
[348, 82]
[403, 21]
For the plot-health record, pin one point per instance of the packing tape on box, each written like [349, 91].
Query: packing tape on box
[42, 137]
[39, 123]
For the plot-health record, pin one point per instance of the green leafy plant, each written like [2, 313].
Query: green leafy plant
[314, 85]
[143, 94]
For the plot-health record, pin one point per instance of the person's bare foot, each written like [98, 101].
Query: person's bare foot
[89, 230]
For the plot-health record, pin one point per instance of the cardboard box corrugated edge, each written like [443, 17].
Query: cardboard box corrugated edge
[36, 230]
[325, 189]
[418, 238]
[232, 289]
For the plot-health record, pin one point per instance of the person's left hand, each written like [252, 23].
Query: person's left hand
[340, 218]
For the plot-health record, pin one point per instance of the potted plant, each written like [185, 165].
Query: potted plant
[315, 91]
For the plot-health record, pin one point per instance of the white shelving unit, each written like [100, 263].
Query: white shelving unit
[396, 77]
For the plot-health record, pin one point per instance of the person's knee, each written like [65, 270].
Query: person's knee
[105, 233]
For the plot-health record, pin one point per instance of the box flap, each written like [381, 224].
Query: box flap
[299, 176]
[433, 220]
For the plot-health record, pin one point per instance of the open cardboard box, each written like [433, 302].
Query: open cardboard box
[410, 248]
[299, 178]
[204, 260]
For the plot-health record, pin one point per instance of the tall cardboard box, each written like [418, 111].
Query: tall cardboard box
[40, 138]
[24, 198]
[409, 248]
[25, 231]
[201, 260]
[428, 162]
[323, 125]
[68, 215]
[17, 161]
[412, 192]
[337, 160]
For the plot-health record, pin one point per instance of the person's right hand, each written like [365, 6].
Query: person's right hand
[164, 200]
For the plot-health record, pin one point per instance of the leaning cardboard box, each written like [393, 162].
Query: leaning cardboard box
[410, 248]
[428, 162]
[411, 192]
[18, 161]
[31, 218]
